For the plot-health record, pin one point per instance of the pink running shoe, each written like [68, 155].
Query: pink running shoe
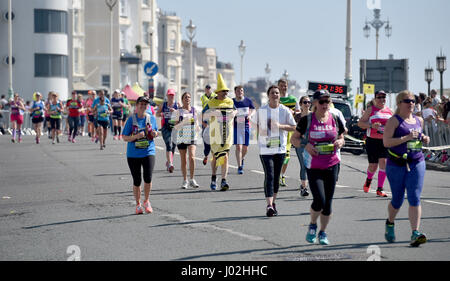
[148, 208]
[139, 210]
[73, 140]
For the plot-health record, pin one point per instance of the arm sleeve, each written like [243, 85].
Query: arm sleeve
[302, 124]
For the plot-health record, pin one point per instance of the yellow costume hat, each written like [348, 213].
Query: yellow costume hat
[221, 86]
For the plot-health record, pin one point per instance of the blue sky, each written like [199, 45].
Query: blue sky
[307, 38]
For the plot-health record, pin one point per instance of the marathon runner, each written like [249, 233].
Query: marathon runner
[102, 110]
[305, 105]
[241, 125]
[117, 104]
[325, 136]
[292, 103]
[17, 108]
[90, 114]
[165, 112]
[139, 131]
[37, 114]
[74, 106]
[55, 108]
[205, 129]
[185, 130]
[273, 121]
[374, 120]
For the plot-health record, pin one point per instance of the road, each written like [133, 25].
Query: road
[72, 201]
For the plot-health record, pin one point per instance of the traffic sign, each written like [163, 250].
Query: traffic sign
[151, 68]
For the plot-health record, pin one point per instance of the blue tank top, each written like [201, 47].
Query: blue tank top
[413, 148]
[102, 112]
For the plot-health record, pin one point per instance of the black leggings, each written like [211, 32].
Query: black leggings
[147, 163]
[322, 184]
[272, 169]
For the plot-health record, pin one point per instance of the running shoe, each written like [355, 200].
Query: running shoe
[417, 238]
[240, 170]
[20, 140]
[69, 139]
[381, 193]
[270, 212]
[311, 234]
[389, 233]
[115, 138]
[53, 142]
[283, 181]
[193, 183]
[213, 185]
[13, 140]
[171, 168]
[148, 208]
[323, 238]
[73, 140]
[303, 191]
[366, 187]
[92, 139]
[120, 137]
[139, 210]
[205, 160]
[275, 209]
[224, 185]
[38, 140]
[96, 140]
[185, 185]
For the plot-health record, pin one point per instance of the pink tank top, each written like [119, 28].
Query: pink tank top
[381, 116]
[322, 136]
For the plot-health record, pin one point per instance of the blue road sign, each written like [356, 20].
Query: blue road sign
[151, 68]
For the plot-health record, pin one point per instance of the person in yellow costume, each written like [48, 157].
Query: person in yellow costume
[220, 112]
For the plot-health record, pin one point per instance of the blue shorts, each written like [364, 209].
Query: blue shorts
[241, 136]
[400, 180]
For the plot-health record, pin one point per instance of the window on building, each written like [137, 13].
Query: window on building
[49, 65]
[145, 32]
[123, 9]
[78, 60]
[77, 22]
[172, 41]
[123, 39]
[146, 3]
[50, 21]
[105, 80]
[172, 74]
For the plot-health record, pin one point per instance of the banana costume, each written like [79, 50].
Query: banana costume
[221, 123]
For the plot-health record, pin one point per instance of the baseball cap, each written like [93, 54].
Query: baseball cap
[208, 86]
[143, 99]
[321, 94]
[380, 92]
[171, 92]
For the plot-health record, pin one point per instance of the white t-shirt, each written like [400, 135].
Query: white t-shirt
[272, 140]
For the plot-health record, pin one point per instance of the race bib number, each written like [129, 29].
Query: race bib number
[272, 142]
[325, 148]
[414, 145]
[141, 144]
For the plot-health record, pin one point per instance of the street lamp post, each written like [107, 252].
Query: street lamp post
[267, 70]
[429, 76]
[191, 28]
[242, 53]
[111, 4]
[377, 23]
[441, 66]
[10, 57]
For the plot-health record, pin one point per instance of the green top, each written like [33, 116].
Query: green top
[125, 109]
[289, 101]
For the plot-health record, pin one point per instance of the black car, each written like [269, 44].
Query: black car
[355, 140]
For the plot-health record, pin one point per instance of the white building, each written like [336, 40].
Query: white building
[134, 42]
[41, 35]
[170, 53]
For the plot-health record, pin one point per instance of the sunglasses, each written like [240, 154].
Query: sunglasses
[306, 102]
[381, 97]
[408, 101]
[324, 101]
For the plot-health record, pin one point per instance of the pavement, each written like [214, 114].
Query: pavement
[74, 202]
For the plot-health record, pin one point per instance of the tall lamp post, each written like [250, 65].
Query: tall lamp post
[441, 66]
[111, 4]
[429, 76]
[377, 23]
[191, 28]
[267, 70]
[242, 53]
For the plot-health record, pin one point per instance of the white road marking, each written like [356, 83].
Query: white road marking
[191, 223]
